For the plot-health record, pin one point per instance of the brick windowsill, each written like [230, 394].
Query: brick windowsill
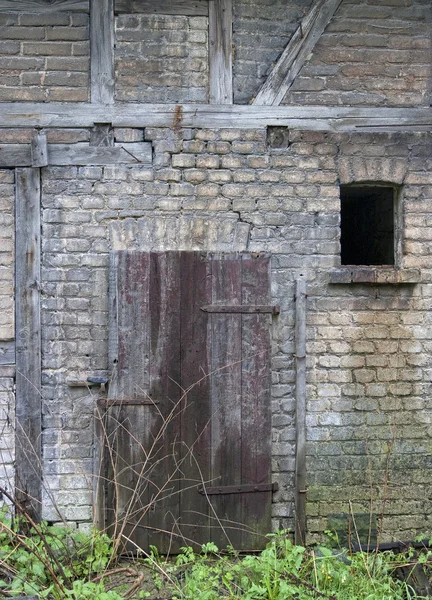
[360, 274]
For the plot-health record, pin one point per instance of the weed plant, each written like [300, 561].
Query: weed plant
[285, 571]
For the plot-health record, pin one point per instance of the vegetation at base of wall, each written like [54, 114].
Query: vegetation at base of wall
[59, 563]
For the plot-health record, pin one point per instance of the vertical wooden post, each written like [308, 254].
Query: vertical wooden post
[28, 481]
[102, 51]
[300, 355]
[220, 51]
[39, 150]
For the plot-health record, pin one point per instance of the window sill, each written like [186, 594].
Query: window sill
[374, 275]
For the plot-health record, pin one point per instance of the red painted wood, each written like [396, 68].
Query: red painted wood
[225, 399]
[128, 427]
[196, 411]
[256, 410]
[163, 473]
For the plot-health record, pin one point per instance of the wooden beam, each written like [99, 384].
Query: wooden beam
[296, 53]
[300, 386]
[39, 150]
[220, 51]
[28, 341]
[318, 118]
[102, 51]
[195, 8]
[43, 6]
[81, 154]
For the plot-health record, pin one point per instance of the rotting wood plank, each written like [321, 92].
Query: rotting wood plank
[226, 401]
[296, 53]
[300, 385]
[165, 390]
[195, 408]
[102, 51]
[7, 352]
[28, 482]
[43, 6]
[39, 150]
[315, 118]
[20, 155]
[102, 134]
[195, 8]
[256, 411]
[220, 51]
[128, 427]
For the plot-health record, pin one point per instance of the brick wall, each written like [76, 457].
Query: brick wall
[261, 30]
[44, 57]
[161, 58]
[369, 346]
[372, 53]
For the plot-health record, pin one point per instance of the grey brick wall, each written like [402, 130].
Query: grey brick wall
[372, 53]
[369, 346]
[44, 57]
[161, 58]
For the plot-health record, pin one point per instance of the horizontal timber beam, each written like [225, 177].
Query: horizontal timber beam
[81, 154]
[318, 118]
[43, 6]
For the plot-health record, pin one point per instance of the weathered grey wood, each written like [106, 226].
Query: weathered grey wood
[163, 7]
[28, 341]
[102, 134]
[39, 150]
[43, 6]
[220, 51]
[300, 359]
[7, 352]
[19, 155]
[318, 118]
[296, 53]
[102, 51]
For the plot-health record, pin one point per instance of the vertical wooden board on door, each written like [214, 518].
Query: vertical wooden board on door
[225, 397]
[128, 426]
[256, 409]
[195, 407]
[165, 391]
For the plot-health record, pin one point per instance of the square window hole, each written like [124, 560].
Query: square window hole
[367, 225]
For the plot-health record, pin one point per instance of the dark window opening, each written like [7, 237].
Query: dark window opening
[367, 225]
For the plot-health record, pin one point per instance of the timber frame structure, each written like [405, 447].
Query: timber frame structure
[103, 113]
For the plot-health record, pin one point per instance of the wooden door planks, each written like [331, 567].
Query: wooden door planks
[196, 410]
[208, 377]
[28, 482]
[226, 401]
[256, 410]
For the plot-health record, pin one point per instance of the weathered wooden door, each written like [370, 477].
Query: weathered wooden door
[188, 419]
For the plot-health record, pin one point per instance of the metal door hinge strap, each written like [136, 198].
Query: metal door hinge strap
[250, 309]
[127, 401]
[239, 489]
